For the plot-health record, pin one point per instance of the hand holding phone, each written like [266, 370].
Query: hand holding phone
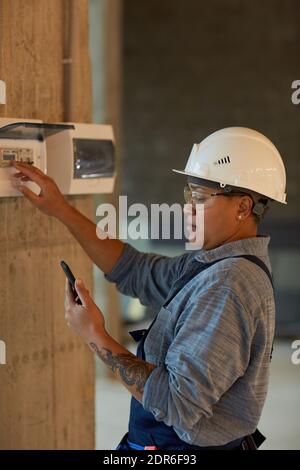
[71, 279]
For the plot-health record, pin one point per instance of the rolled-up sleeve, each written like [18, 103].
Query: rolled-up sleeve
[210, 351]
[147, 276]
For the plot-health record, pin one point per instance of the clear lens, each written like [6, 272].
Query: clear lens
[195, 196]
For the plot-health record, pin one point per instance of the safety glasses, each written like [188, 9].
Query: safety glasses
[194, 194]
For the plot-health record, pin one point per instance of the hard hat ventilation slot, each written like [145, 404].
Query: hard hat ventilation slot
[222, 161]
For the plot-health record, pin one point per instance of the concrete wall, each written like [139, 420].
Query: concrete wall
[47, 385]
[192, 68]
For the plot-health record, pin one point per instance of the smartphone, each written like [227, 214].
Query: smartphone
[71, 279]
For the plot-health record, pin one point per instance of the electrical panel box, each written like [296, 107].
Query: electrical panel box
[82, 160]
[79, 157]
[23, 141]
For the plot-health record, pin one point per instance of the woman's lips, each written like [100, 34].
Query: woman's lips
[191, 226]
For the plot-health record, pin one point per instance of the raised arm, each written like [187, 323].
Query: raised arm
[143, 275]
[104, 253]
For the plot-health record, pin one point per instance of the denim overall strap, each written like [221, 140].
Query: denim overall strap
[259, 263]
[193, 269]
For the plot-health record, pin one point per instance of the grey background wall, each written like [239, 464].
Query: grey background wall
[192, 68]
[47, 385]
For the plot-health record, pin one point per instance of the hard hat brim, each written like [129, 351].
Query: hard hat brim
[195, 175]
[221, 183]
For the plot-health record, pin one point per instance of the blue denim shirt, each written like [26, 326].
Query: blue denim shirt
[211, 344]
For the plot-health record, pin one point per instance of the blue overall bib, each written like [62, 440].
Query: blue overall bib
[145, 432]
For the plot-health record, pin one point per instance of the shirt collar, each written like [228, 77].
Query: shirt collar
[257, 246]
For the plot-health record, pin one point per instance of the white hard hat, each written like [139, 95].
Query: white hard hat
[239, 157]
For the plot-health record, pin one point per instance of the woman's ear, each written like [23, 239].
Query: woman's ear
[244, 208]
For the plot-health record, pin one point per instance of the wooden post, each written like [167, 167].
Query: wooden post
[47, 385]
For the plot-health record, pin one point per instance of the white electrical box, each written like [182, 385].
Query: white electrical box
[82, 160]
[79, 157]
[18, 148]
[24, 141]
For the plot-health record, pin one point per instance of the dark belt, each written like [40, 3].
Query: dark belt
[251, 442]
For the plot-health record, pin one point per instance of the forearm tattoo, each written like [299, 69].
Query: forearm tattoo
[132, 370]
